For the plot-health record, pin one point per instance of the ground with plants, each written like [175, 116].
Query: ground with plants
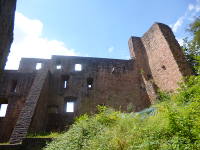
[172, 123]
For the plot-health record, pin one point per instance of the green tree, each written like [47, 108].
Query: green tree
[195, 30]
[191, 46]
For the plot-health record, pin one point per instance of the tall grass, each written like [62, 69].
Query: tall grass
[174, 125]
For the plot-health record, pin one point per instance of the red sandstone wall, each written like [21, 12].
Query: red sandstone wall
[164, 57]
[158, 63]
[117, 89]
[138, 52]
[160, 57]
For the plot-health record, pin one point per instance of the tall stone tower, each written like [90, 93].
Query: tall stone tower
[159, 58]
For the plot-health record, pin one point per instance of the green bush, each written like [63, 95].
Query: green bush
[175, 125]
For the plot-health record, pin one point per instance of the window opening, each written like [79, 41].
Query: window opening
[3, 109]
[70, 106]
[65, 84]
[78, 67]
[14, 86]
[38, 66]
[65, 79]
[90, 83]
[58, 67]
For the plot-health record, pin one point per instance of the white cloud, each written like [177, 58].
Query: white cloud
[189, 15]
[180, 41]
[197, 6]
[29, 42]
[178, 24]
[191, 7]
[111, 49]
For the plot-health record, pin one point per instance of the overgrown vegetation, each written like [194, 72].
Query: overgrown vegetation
[191, 46]
[43, 135]
[171, 124]
[175, 124]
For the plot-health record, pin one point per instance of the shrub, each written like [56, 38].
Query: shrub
[175, 124]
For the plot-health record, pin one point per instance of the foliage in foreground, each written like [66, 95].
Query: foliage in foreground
[43, 135]
[175, 125]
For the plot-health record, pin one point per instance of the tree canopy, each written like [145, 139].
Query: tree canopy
[191, 46]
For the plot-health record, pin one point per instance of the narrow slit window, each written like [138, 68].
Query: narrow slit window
[3, 109]
[65, 81]
[78, 67]
[70, 107]
[65, 84]
[38, 66]
[14, 86]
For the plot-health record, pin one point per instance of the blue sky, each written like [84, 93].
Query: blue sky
[93, 28]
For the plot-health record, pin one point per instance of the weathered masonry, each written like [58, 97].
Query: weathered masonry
[46, 94]
[7, 13]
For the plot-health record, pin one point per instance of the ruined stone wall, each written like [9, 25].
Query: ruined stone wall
[166, 58]
[26, 115]
[7, 12]
[28, 65]
[163, 56]
[116, 83]
[15, 98]
[39, 120]
[128, 85]
[139, 54]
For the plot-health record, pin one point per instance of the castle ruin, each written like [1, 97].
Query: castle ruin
[45, 95]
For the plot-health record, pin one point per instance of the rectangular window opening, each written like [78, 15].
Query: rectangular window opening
[3, 109]
[38, 66]
[78, 67]
[70, 106]
[58, 67]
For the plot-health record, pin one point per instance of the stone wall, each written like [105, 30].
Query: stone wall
[161, 57]
[26, 115]
[7, 13]
[127, 85]
[15, 98]
[139, 54]
[28, 65]
[118, 80]
[40, 117]
[166, 58]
